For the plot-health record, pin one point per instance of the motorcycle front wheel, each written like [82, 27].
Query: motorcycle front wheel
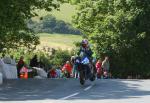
[82, 78]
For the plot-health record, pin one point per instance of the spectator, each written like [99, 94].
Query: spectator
[75, 72]
[20, 64]
[67, 69]
[24, 72]
[34, 61]
[58, 72]
[99, 68]
[105, 66]
[52, 73]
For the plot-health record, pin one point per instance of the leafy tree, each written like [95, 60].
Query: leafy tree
[120, 29]
[60, 57]
[66, 28]
[50, 24]
[61, 27]
[13, 21]
[49, 21]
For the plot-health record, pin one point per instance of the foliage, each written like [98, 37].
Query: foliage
[13, 19]
[120, 29]
[60, 57]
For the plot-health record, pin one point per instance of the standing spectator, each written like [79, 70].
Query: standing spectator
[34, 61]
[105, 66]
[75, 72]
[20, 65]
[99, 68]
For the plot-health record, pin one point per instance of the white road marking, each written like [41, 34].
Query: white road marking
[77, 93]
[69, 96]
[89, 87]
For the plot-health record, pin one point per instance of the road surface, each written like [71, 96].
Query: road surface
[70, 91]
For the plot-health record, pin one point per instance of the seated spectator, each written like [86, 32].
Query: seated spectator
[67, 69]
[53, 73]
[34, 61]
[24, 72]
[58, 72]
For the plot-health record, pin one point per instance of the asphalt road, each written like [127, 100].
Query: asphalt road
[70, 91]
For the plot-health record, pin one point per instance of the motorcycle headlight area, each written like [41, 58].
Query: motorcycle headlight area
[85, 61]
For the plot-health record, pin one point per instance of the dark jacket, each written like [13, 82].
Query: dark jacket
[87, 52]
[34, 62]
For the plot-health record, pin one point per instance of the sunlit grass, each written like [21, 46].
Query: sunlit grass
[66, 12]
[63, 41]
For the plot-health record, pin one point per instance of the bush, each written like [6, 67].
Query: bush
[58, 58]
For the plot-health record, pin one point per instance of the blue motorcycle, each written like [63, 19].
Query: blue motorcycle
[86, 69]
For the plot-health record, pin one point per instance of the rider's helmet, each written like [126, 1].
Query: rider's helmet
[84, 43]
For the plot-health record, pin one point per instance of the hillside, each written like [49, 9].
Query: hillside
[62, 41]
[66, 12]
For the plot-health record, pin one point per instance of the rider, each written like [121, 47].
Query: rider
[86, 52]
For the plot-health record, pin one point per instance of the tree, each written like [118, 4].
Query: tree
[49, 24]
[49, 21]
[61, 27]
[13, 21]
[120, 29]
[60, 57]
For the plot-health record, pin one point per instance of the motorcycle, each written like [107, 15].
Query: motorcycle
[86, 69]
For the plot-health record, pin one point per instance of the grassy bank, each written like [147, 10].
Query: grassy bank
[63, 41]
[66, 12]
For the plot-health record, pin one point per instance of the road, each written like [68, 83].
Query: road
[70, 91]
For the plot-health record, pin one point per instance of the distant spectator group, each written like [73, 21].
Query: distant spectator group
[68, 70]
[102, 68]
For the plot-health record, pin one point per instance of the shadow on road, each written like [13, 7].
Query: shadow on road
[115, 89]
[22, 90]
